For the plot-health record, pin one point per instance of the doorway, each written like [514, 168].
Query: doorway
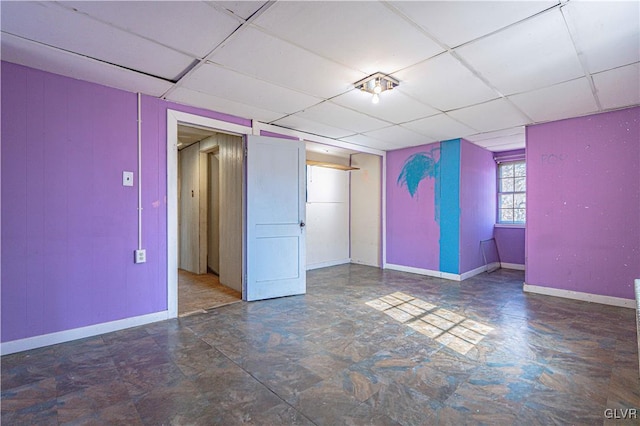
[209, 218]
[344, 206]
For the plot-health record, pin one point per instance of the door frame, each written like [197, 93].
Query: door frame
[173, 119]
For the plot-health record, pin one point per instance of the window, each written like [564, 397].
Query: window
[512, 187]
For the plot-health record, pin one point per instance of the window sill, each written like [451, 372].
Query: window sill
[510, 225]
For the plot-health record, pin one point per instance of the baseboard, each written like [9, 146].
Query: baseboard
[479, 270]
[439, 274]
[421, 271]
[359, 262]
[79, 333]
[577, 295]
[516, 266]
[327, 264]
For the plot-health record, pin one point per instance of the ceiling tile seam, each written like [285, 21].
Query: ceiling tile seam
[418, 132]
[299, 111]
[449, 50]
[582, 60]
[615, 68]
[81, 55]
[452, 50]
[293, 43]
[274, 83]
[284, 114]
[125, 30]
[508, 26]
[206, 58]
[226, 11]
[309, 133]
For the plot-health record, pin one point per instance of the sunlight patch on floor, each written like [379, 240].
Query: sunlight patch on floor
[448, 328]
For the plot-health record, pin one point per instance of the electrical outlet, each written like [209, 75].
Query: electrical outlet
[127, 178]
[140, 256]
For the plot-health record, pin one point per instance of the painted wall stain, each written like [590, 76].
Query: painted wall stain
[418, 167]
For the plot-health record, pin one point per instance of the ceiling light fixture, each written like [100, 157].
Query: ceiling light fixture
[376, 84]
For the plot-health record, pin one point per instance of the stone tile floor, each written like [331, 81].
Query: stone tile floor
[329, 358]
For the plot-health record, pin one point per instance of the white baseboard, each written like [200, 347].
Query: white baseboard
[421, 271]
[359, 262]
[79, 333]
[438, 274]
[577, 295]
[516, 266]
[479, 270]
[327, 264]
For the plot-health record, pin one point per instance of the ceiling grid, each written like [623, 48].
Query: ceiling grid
[481, 70]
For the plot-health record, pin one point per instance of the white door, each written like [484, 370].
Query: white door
[275, 218]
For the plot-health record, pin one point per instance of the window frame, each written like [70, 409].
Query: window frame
[499, 192]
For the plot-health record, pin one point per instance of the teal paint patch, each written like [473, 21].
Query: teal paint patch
[450, 206]
[418, 167]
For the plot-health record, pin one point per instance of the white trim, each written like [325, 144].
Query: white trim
[577, 295]
[20, 345]
[384, 209]
[438, 274]
[258, 126]
[477, 271]
[510, 225]
[173, 118]
[327, 264]
[421, 271]
[516, 266]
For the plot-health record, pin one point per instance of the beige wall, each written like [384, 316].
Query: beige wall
[366, 209]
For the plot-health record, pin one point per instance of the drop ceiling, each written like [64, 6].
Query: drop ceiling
[481, 70]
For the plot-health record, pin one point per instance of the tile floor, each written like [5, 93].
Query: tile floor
[199, 292]
[329, 358]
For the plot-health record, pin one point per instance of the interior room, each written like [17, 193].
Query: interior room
[320, 213]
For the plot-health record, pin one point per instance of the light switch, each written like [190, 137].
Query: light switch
[127, 178]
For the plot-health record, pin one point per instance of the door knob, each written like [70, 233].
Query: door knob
[302, 224]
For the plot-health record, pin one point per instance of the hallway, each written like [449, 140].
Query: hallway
[198, 293]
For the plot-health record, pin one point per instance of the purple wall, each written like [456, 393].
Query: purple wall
[69, 227]
[583, 203]
[412, 232]
[511, 244]
[477, 203]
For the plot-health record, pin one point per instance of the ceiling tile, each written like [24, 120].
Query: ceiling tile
[519, 130]
[444, 83]
[344, 118]
[38, 56]
[366, 36]
[221, 82]
[493, 115]
[394, 106]
[304, 125]
[440, 127]
[619, 87]
[527, 56]
[187, 29]
[564, 100]
[256, 53]
[506, 143]
[78, 33]
[243, 9]
[598, 26]
[400, 137]
[370, 142]
[214, 103]
[457, 22]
